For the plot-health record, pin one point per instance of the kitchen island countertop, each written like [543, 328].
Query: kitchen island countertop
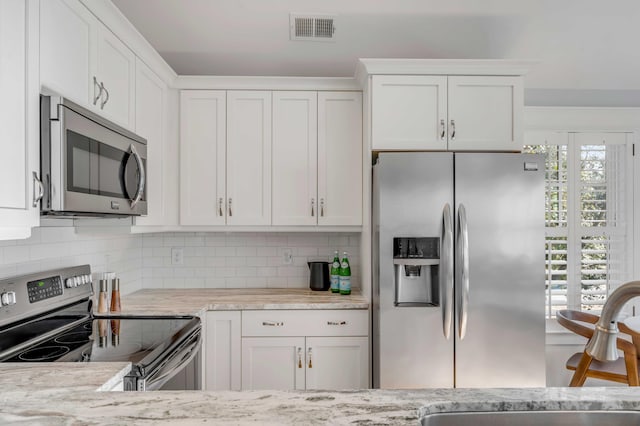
[64, 393]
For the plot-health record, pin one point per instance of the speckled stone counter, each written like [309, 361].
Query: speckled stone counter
[193, 300]
[47, 394]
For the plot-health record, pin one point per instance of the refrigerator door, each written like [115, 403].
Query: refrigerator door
[411, 191]
[500, 326]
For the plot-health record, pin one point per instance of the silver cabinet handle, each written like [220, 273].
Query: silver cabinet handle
[105, 100]
[336, 323]
[299, 357]
[446, 274]
[310, 365]
[220, 207]
[453, 129]
[322, 207]
[313, 207]
[99, 87]
[141, 177]
[37, 196]
[273, 323]
[230, 210]
[442, 130]
[463, 270]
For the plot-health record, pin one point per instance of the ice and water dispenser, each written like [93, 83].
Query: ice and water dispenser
[415, 262]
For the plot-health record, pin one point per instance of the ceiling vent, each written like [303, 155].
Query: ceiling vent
[312, 27]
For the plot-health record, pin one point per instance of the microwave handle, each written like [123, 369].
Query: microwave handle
[141, 177]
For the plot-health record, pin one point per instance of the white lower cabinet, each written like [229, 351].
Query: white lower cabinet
[305, 349]
[273, 363]
[287, 349]
[337, 363]
[222, 351]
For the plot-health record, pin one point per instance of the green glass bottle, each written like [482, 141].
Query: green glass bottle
[335, 273]
[345, 275]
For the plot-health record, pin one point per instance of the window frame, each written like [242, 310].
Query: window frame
[541, 122]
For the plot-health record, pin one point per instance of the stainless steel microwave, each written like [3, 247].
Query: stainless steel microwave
[89, 166]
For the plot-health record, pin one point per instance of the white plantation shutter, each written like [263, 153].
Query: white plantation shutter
[587, 218]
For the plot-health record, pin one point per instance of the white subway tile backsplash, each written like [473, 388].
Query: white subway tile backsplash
[211, 260]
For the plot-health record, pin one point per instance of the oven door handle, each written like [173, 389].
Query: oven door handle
[182, 358]
[141, 177]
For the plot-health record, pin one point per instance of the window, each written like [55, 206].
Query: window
[588, 238]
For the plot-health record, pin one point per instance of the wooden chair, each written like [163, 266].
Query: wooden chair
[623, 370]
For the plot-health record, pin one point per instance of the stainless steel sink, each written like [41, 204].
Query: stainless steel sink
[534, 418]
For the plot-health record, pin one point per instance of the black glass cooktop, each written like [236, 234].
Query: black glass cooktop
[103, 340]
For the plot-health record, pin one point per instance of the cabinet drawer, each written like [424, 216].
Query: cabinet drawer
[336, 322]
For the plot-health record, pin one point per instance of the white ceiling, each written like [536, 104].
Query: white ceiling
[580, 44]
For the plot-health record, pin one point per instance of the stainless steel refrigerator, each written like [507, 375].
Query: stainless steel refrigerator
[458, 270]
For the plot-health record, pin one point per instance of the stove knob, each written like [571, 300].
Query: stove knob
[68, 282]
[80, 279]
[4, 299]
[86, 279]
[76, 281]
[11, 296]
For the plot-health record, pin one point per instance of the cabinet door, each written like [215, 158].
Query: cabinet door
[150, 110]
[295, 158]
[486, 113]
[67, 43]
[19, 117]
[248, 158]
[115, 68]
[202, 157]
[340, 158]
[409, 112]
[337, 363]
[273, 363]
[222, 364]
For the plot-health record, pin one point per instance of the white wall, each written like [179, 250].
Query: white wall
[239, 260]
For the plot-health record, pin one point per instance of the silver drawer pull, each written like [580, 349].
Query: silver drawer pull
[336, 323]
[272, 323]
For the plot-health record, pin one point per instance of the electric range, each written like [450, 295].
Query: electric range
[47, 317]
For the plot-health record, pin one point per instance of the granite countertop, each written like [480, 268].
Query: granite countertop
[46, 394]
[194, 301]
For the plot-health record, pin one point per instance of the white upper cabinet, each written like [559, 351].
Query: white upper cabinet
[248, 163]
[340, 158]
[84, 61]
[295, 158]
[115, 72]
[409, 112]
[67, 49]
[19, 118]
[485, 112]
[150, 124]
[455, 113]
[202, 157]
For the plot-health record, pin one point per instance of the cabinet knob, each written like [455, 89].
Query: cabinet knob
[322, 207]
[230, 210]
[98, 87]
[309, 356]
[453, 129]
[37, 196]
[299, 357]
[273, 323]
[105, 100]
[220, 206]
[336, 323]
[313, 207]
[442, 130]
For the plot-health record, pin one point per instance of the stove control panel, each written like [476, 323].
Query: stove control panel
[45, 288]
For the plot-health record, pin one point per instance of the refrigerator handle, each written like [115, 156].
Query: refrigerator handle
[462, 242]
[446, 271]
